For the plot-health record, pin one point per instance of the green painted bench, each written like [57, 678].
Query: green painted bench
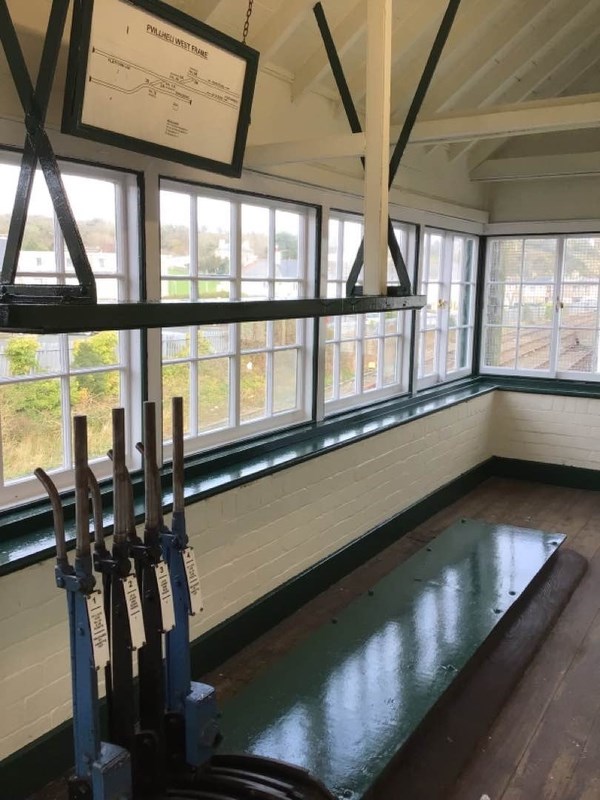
[345, 702]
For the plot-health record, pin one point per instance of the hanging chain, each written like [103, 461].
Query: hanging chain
[247, 22]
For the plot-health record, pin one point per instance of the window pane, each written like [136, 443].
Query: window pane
[506, 257]
[95, 396]
[582, 259]
[175, 383]
[537, 305]
[330, 328]
[501, 347]
[255, 241]
[578, 351]
[390, 361]
[372, 324]
[348, 327]
[370, 361]
[213, 236]
[176, 290]
[428, 349]
[287, 290]
[347, 369]
[31, 416]
[213, 394]
[503, 304]
[534, 349]
[580, 305]
[108, 290]
[539, 260]
[255, 290]
[214, 290]
[284, 380]
[253, 335]
[214, 339]
[332, 256]
[174, 233]
[285, 331]
[329, 367]
[29, 354]
[94, 206]
[352, 239]
[37, 249]
[175, 343]
[434, 264]
[253, 387]
[458, 260]
[463, 348]
[392, 322]
[451, 352]
[287, 242]
[94, 350]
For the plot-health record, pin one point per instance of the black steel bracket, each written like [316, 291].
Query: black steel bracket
[38, 148]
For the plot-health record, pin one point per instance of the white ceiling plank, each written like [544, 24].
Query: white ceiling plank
[552, 78]
[449, 87]
[538, 167]
[345, 34]
[376, 200]
[538, 116]
[471, 22]
[409, 36]
[279, 27]
[574, 18]
[321, 149]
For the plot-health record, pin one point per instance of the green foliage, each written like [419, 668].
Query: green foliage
[97, 234]
[287, 244]
[174, 240]
[97, 350]
[209, 262]
[21, 352]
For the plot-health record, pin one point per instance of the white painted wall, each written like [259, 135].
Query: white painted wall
[549, 199]
[547, 428]
[248, 541]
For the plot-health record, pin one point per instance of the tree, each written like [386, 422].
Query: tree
[21, 352]
[97, 350]
[287, 244]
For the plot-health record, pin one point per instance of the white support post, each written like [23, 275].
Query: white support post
[379, 60]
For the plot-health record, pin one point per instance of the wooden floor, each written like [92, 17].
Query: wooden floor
[546, 743]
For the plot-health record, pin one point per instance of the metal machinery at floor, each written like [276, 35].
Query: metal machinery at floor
[162, 732]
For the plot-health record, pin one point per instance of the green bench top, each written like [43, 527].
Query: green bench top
[344, 702]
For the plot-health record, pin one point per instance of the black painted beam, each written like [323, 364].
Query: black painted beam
[37, 146]
[70, 318]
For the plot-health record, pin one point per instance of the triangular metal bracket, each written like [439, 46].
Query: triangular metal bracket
[38, 148]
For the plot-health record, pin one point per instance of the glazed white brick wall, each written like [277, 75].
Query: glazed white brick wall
[248, 541]
[556, 430]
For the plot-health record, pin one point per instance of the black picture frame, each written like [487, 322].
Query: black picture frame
[76, 84]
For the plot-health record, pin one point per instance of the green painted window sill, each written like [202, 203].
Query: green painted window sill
[27, 536]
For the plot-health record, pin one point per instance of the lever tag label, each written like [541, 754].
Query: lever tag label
[163, 580]
[133, 602]
[98, 629]
[193, 580]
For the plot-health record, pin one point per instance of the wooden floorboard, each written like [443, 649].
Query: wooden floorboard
[545, 744]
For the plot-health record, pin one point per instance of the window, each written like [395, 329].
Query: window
[541, 313]
[446, 324]
[239, 379]
[45, 380]
[366, 356]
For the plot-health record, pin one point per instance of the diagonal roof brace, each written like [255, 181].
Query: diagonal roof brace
[355, 126]
[38, 148]
[415, 107]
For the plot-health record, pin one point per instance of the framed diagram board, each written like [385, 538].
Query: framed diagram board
[147, 77]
